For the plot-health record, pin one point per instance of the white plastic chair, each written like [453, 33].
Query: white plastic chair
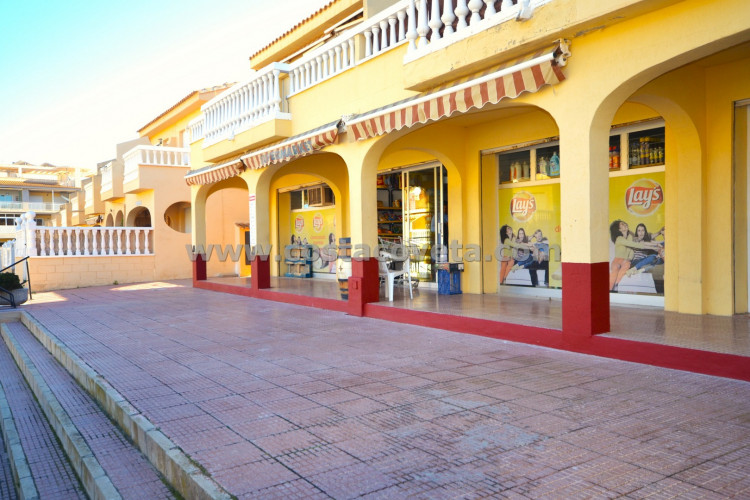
[389, 275]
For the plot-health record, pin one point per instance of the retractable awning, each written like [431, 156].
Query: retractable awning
[286, 150]
[294, 147]
[506, 81]
[215, 173]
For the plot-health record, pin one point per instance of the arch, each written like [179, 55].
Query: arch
[328, 168]
[119, 219]
[139, 217]
[110, 221]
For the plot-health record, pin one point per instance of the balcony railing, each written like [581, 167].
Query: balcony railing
[196, 128]
[426, 25]
[106, 178]
[153, 155]
[439, 23]
[246, 105]
[25, 206]
[88, 195]
[83, 241]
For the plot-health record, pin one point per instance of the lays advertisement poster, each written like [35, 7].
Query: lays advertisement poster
[529, 236]
[637, 236]
[316, 227]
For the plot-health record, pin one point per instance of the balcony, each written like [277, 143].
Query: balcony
[93, 204]
[25, 206]
[253, 109]
[146, 166]
[111, 181]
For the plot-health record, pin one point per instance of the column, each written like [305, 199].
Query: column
[584, 197]
[260, 229]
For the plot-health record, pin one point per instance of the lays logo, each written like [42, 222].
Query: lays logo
[644, 197]
[299, 224]
[522, 206]
[318, 222]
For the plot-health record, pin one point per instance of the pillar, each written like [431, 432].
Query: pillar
[584, 196]
[198, 195]
[259, 229]
[364, 284]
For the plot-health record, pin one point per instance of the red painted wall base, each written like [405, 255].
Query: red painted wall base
[364, 285]
[199, 269]
[585, 299]
[260, 272]
[679, 358]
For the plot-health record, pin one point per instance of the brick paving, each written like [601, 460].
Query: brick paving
[52, 473]
[7, 490]
[130, 472]
[283, 401]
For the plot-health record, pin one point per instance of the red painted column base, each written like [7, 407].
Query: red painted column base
[585, 299]
[364, 285]
[199, 268]
[260, 272]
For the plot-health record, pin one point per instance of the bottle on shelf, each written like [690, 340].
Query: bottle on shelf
[541, 166]
[554, 165]
[526, 170]
[615, 158]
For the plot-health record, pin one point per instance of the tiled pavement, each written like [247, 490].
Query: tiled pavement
[52, 473]
[130, 472]
[6, 475]
[283, 401]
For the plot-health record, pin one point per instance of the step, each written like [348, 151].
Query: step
[181, 472]
[33, 451]
[108, 464]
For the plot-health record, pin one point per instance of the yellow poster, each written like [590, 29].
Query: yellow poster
[636, 234]
[529, 236]
[316, 227]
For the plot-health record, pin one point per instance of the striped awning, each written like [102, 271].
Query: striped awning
[215, 173]
[507, 81]
[294, 147]
[286, 150]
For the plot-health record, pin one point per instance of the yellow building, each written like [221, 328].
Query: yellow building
[591, 126]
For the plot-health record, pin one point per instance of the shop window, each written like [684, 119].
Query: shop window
[646, 148]
[533, 163]
[317, 196]
[637, 145]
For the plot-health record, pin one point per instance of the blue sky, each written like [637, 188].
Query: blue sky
[77, 77]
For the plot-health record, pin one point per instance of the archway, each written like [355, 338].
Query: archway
[119, 219]
[308, 204]
[139, 217]
[110, 221]
[226, 212]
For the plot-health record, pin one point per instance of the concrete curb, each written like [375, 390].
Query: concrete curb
[18, 463]
[95, 481]
[181, 473]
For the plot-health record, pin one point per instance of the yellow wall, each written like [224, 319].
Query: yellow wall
[631, 61]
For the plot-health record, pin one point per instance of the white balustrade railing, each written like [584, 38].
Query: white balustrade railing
[7, 253]
[153, 155]
[44, 241]
[88, 195]
[437, 23]
[380, 33]
[37, 206]
[106, 172]
[426, 25]
[245, 105]
[195, 128]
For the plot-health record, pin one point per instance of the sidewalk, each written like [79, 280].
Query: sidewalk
[283, 401]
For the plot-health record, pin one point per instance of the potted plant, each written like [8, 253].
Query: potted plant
[12, 283]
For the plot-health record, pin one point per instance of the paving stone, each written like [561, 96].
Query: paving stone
[283, 401]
